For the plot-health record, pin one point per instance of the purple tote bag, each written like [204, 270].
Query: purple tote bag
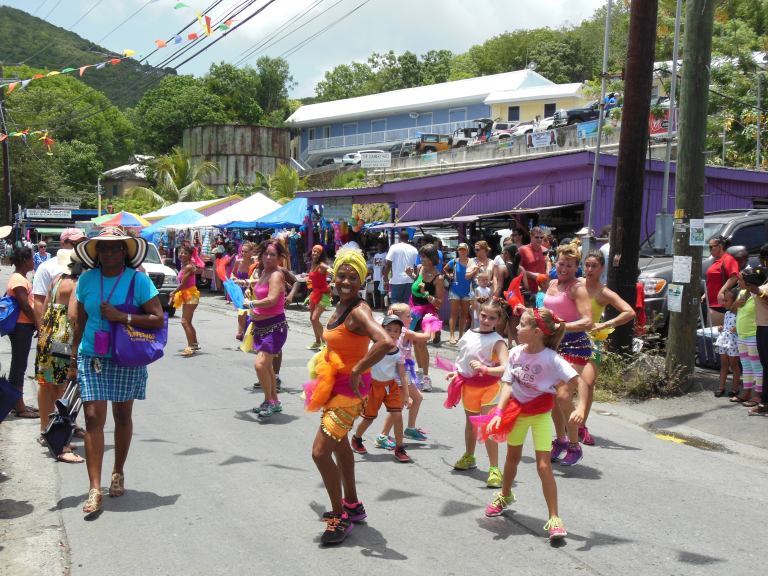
[133, 346]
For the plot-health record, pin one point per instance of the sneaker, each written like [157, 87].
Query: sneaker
[558, 448]
[268, 410]
[355, 513]
[277, 406]
[239, 337]
[338, 527]
[466, 462]
[384, 442]
[414, 434]
[314, 346]
[357, 445]
[499, 504]
[261, 407]
[585, 437]
[279, 383]
[555, 527]
[257, 384]
[572, 456]
[426, 384]
[494, 477]
[400, 454]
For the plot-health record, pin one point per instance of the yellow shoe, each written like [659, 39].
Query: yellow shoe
[494, 477]
[466, 462]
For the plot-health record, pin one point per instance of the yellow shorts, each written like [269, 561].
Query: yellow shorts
[186, 296]
[473, 398]
[541, 430]
[339, 414]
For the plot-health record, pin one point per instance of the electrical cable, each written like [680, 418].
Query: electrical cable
[51, 10]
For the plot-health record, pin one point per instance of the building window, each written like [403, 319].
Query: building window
[549, 109]
[513, 114]
[311, 133]
[114, 190]
[655, 91]
[326, 131]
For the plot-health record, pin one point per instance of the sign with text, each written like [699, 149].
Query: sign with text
[427, 159]
[541, 139]
[38, 213]
[375, 160]
[338, 209]
[659, 125]
[587, 129]
[506, 143]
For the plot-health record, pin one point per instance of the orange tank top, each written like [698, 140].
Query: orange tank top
[350, 347]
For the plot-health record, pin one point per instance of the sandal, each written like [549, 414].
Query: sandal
[95, 501]
[750, 404]
[42, 442]
[32, 413]
[117, 487]
[733, 393]
[188, 352]
[719, 393]
[196, 346]
[73, 458]
[79, 432]
[737, 399]
[759, 410]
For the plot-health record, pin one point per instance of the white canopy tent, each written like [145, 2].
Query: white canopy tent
[252, 208]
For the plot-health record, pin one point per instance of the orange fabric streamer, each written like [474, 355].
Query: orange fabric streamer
[319, 391]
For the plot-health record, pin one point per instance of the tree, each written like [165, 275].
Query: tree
[285, 183]
[344, 81]
[237, 89]
[78, 161]
[275, 82]
[179, 179]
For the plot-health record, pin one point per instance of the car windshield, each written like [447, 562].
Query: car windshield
[153, 256]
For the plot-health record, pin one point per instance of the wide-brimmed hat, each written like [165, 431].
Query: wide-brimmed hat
[64, 260]
[137, 247]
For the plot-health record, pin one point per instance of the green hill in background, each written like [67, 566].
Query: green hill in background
[22, 36]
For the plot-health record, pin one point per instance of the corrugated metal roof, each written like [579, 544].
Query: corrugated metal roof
[535, 93]
[414, 99]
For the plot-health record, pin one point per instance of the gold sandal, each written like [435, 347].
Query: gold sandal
[189, 351]
[95, 500]
[117, 487]
[196, 346]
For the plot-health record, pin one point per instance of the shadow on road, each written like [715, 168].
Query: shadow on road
[578, 471]
[697, 559]
[611, 445]
[131, 501]
[237, 460]
[454, 508]
[10, 509]
[393, 494]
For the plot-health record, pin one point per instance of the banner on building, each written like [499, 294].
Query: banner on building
[587, 129]
[659, 125]
[428, 159]
[541, 139]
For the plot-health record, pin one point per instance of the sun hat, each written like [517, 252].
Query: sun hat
[72, 235]
[64, 260]
[137, 247]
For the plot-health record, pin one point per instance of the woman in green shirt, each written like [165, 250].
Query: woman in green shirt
[752, 370]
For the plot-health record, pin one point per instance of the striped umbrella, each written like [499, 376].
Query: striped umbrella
[126, 219]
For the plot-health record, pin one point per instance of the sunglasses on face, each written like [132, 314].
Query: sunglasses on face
[110, 248]
[712, 247]
[539, 237]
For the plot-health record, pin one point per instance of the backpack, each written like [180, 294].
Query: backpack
[9, 314]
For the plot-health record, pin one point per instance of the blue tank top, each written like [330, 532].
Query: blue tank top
[460, 285]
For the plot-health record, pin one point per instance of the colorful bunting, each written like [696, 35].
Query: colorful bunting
[67, 70]
[192, 36]
[100, 66]
[223, 27]
[128, 53]
[208, 30]
[115, 61]
[177, 39]
[24, 83]
[53, 73]
[83, 69]
[12, 86]
[36, 76]
[3, 137]
[161, 44]
[180, 5]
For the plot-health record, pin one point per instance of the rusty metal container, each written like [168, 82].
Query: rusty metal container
[240, 151]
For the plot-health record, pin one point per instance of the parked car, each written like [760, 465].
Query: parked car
[403, 149]
[546, 124]
[327, 161]
[357, 157]
[571, 116]
[428, 143]
[163, 277]
[520, 130]
[348, 159]
[745, 228]
[464, 136]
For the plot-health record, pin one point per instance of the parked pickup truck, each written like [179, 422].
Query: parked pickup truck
[577, 115]
[745, 228]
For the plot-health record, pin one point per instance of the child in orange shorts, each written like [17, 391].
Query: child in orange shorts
[385, 390]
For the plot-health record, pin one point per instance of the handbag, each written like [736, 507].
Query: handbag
[133, 346]
[9, 314]
[61, 344]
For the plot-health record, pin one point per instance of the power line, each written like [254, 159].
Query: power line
[51, 10]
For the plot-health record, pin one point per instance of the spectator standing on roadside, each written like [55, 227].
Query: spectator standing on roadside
[499, 260]
[41, 255]
[605, 232]
[532, 255]
[721, 277]
[379, 260]
[517, 238]
[761, 320]
[400, 257]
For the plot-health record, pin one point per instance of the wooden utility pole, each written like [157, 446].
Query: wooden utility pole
[6, 158]
[689, 181]
[630, 169]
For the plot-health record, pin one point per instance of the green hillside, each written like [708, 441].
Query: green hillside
[23, 35]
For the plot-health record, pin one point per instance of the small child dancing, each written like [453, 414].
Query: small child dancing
[532, 377]
[385, 390]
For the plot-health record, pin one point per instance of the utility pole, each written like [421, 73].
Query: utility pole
[630, 168]
[671, 120]
[759, 112]
[6, 158]
[690, 182]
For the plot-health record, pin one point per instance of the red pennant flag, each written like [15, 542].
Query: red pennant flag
[192, 36]
[208, 30]
[12, 86]
[115, 61]
[161, 44]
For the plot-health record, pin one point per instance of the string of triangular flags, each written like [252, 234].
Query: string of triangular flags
[23, 135]
[205, 24]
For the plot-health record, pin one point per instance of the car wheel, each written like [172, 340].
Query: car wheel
[171, 311]
[461, 145]
[429, 150]
[202, 283]
[575, 121]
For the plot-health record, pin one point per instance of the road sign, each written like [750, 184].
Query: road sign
[376, 160]
[37, 213]
[338, 209]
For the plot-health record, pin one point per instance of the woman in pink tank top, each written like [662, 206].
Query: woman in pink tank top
[268, 325]
[568, 299]
[186, 296]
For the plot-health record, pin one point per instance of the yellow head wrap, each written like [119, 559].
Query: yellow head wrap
[353, 257]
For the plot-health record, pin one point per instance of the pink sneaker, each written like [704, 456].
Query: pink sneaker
[585, 437]
[499, 504]
[559, 447]
[555, 527]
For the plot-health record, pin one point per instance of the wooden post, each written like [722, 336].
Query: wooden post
[630, 168]
[689, 181]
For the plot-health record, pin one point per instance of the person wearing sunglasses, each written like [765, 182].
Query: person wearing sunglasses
[722, 275]
[532, 255]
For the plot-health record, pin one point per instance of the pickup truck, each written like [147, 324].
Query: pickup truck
[745, 228]
[577, 115]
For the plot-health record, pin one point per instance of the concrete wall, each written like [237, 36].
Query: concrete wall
[122, 185]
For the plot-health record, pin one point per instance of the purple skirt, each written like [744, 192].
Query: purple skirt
[270, 334]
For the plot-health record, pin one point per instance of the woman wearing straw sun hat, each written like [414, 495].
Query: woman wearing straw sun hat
[114, 257]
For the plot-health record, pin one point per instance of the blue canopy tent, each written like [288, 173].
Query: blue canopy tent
[289, 216]
[187, 217]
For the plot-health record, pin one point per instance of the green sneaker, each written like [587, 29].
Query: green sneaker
[314, 346]
[494, 478]
[466, 462]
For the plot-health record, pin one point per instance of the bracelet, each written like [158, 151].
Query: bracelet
[497, 412]
[485, 370]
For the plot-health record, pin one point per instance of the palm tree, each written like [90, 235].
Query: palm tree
[285, 183]
[179, 179]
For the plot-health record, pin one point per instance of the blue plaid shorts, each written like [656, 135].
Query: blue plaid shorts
[114, 384]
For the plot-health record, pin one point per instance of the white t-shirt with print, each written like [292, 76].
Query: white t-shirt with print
[473, 346]
[46, 273]
[402, 255]
[386, 369]
[379, 260]
[532, 375]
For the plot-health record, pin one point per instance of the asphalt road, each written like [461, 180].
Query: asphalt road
[211, 489]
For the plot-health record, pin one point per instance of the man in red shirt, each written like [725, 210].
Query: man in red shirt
[532, 255]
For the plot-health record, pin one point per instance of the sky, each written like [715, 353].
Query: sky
[376, 26]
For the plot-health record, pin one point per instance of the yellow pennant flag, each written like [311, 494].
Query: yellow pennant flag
[53, 73]
[129, 53]
[200, 19]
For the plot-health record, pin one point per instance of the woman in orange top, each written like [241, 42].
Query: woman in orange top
[340, 388]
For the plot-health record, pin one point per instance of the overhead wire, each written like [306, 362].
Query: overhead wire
[51, 10]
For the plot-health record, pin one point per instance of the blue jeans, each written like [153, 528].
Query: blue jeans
[21, 343]
[401, 292]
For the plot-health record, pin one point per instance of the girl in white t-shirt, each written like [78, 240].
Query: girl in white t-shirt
[534, 374]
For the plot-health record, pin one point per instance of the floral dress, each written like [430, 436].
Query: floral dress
[50, 369]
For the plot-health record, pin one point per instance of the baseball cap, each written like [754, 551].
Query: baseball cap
[463, 246]
[391, 318]
[72, 235]
[541, 278]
